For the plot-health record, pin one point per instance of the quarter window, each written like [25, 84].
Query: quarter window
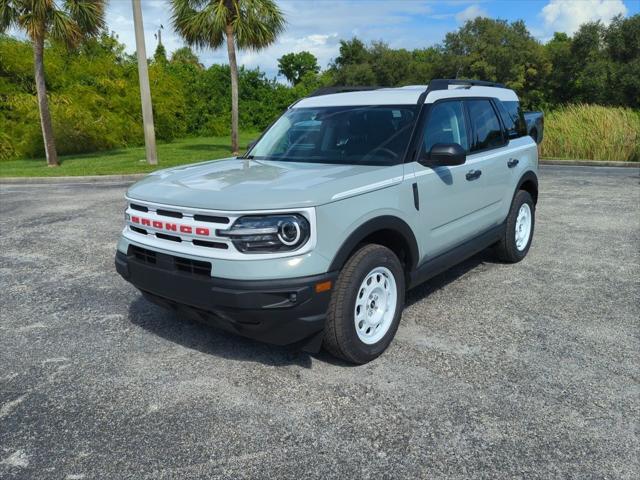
[515, 112]
[446, 125]
[487, 132]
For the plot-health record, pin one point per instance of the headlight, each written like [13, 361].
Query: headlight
[268, 233]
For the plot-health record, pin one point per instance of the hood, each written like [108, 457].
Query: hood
[239, 184]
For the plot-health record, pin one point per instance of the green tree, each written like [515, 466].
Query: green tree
[243, 24]
[160, 55]
[560, 82]
[591, 69]
[70, 22]
[499, 51]
[294, 66]
[391, 67]
[185, 56]
[622, 40]
[352, 52]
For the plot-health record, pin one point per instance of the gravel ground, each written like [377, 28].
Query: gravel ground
[498, 371]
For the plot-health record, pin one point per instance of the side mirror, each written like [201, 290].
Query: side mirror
[446, 154]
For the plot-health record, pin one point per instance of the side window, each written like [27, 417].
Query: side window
[508, 121]
[516, 113]
[487, 131]
[446, 124]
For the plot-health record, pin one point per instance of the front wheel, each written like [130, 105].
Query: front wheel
[366, 305]
[518, 234]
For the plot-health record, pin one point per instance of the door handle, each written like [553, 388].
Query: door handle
[512, 162]
[473, 174]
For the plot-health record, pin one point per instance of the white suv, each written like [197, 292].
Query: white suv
[349, 199]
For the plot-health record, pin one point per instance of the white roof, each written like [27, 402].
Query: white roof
[403, 96]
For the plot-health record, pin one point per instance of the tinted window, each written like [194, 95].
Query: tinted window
[517, 115]
[370, 135]
[507, 120]
[486, 127]
[446, 125]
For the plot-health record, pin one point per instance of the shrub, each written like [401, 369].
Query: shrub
[592, 132]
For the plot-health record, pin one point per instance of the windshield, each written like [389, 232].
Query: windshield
[371, 135]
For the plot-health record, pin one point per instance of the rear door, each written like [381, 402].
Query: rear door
[487, 163]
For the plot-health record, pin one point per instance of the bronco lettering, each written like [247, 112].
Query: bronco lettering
[171, 227]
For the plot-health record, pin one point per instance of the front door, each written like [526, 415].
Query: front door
[448, 195]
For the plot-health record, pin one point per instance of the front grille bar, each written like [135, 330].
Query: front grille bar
[168, 262]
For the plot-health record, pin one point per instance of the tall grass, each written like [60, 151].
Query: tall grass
[592, 132]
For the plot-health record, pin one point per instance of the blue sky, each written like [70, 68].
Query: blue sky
[318, 25]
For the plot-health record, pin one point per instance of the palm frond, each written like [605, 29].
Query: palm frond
[67, 21]
[203, 23]
[8, 15]
[63, 28]
[32, 24]
[38, 8]
[88, 15]
[258, 23]
[198, 22]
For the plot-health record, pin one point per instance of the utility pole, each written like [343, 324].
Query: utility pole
[145, 91]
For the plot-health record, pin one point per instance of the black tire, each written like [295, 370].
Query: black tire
[341, 338]
[506, 248]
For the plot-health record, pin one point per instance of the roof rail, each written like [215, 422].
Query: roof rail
[443, 83]
[340, 89]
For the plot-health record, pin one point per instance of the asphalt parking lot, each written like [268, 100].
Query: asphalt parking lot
[498, 371]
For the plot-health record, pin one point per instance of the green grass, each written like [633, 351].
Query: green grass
[126, 160]
[592, 132]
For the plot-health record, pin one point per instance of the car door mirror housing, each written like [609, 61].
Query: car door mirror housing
[445, 154]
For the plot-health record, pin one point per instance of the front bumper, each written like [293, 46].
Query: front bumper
[280, 312]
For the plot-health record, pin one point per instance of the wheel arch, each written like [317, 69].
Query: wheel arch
[388, 230]
[529, 183]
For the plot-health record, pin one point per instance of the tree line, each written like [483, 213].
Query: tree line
[95, 104]
[598, 64]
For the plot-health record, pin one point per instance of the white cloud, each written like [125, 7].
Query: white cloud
[567, 15]
[315, 26]
[323, 46]
[471, 12]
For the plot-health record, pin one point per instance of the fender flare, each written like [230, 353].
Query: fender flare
[528, 176]
[384, 222]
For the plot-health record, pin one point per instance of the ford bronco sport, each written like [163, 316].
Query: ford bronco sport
[349, 199]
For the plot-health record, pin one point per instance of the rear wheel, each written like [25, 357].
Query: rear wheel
[366, 305]
[518, 233]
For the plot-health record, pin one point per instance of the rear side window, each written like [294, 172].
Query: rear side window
[507, 120]
[517, 116]
[487, 132]
[446, 125]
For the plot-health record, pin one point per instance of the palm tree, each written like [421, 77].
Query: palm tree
[69, 21]
[245, 24]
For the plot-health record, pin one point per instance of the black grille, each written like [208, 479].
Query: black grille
[195, 267]
[140, 208]
[138, 230]
[205, 243]
[211, 219]
[164, 236]
[142, 254]
[169, 213]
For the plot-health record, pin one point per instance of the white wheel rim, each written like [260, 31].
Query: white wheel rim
[376, 303]
[523, 226]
